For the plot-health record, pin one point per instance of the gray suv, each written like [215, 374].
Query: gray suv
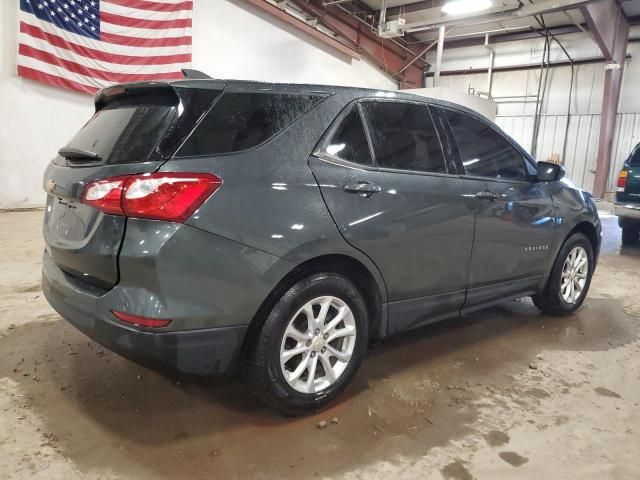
[277, 230]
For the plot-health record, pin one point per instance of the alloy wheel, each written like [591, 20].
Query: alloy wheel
[574, 275]
[318, 344]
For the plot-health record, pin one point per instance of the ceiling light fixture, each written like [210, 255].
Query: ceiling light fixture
[459, 7]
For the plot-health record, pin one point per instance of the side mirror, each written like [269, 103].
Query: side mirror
[550, 172]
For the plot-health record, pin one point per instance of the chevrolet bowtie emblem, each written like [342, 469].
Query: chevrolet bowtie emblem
[50, 186]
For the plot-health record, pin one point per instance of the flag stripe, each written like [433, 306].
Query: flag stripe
[104, 64]
[146, 24]
[59, 42]
[145, 42]
[122, 45]
[129, 11]
[46, 57]
[154, 6]
[59, 72]
[143, 32]
[54, 80]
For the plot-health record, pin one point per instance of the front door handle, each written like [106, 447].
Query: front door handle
[366, 189]
[487, 195]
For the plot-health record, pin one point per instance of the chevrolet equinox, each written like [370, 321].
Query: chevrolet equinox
[276, 230]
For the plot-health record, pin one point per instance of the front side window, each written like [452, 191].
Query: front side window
[239, 121]
[349, 142]
[404, 137]
[485, 153]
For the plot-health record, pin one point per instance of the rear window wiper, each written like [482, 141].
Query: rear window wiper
[71, 153]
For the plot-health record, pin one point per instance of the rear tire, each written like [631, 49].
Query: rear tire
[630, 235]
[310, 346]
[570, 279]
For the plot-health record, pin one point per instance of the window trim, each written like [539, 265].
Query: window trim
[526, 159]
[321, 148]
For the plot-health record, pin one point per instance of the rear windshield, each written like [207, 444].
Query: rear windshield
[124, 133]
[634, 158]
[239, 121]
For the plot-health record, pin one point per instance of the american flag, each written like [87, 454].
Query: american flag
[86, 45]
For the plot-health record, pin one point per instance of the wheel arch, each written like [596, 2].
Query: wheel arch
[345, 265]
[589, 231]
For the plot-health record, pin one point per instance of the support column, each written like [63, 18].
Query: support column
[610, 30]
[440, 51]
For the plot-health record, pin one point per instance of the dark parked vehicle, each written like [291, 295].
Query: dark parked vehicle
[277, 230]
[627, 206]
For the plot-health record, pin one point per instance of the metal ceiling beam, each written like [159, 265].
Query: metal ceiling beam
[496, 14]
[388, 54]
[531, 33]
[300, 25]
[413, 7]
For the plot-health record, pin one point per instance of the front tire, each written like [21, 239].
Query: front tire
[310, 345]
[570, 278]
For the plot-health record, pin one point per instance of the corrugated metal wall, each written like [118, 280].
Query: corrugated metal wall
[582, 144]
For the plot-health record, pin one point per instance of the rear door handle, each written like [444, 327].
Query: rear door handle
[365, 188]
[487, 195]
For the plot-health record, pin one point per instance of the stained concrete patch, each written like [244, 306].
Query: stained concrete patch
[538, 393]
[514, 459]
[605, 392]
[456, 471]
[496, 438]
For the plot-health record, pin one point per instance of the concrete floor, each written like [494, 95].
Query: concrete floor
[505, 393]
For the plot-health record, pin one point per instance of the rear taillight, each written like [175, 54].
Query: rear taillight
[622, 180]
[105, 195]
[158, 196]
[140, 321]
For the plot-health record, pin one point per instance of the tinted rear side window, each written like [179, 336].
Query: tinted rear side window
[349, 142]
[404, 137]
[634, 158]
[239, 121]
[485, 153]
[124, 134]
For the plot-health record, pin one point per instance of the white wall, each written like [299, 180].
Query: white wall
[229, 41]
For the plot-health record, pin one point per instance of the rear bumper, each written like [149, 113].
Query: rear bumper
[627, 210]
[204, 351]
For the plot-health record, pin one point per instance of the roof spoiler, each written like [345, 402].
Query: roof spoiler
[191, 74]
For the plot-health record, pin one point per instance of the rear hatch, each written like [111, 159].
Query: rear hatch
[134, 130]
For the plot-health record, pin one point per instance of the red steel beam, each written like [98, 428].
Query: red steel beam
[389, 56]
[610, 29]
[308, 29]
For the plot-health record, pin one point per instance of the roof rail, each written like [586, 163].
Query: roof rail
[195, 74]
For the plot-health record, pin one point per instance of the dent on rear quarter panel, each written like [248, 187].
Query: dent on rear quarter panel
[270, 200]
[197, 279]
